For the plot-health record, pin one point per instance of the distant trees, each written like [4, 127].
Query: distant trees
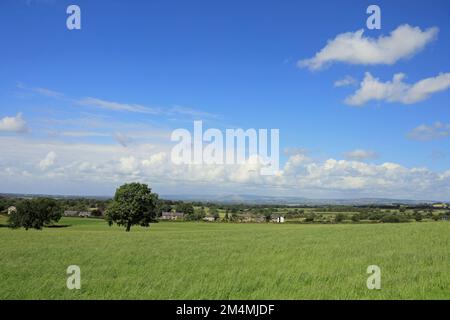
[418, 216]
[185, 207]
[393, 218]
[96, 212]
[188, 210]
[310, 216]
[35, 213]
[133, 204]
[215, 213]
[339, 217]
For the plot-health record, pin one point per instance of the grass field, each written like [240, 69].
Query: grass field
[226, 261]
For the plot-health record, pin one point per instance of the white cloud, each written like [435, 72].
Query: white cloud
[346, 81]
[360, 155]
[48, 161]
[397, 90]
[354, 48]
[128, 164]
[13, 124]
[155, 159]
[93, 167]
[430, 132]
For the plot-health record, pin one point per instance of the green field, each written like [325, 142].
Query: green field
[183, 260]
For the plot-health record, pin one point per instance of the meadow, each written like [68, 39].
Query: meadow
[198, 260]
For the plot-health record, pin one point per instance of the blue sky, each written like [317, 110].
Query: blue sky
[230, 64]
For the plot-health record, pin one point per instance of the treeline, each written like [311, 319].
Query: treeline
[196, 210]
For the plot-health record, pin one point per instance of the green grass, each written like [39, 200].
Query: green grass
[226, 261]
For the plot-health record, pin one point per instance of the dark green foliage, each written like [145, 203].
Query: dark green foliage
[393, 218]
[310, 217]
[133, 204]
[418, 216]
[35, 213]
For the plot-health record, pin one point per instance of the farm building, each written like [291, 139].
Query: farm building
[72, 213]
[277, 218]
[11, 209]
[172, 215]
[84, 214]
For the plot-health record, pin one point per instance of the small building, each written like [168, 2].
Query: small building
[11, 209]
[277, 218]
[73, 213]
[70, 213]
[209, 219]
[84, 214]
[172, 215]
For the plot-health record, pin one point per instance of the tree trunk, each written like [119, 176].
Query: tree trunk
[128, 227]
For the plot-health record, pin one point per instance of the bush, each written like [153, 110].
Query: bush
[339, 217]
[393, 218]
[310, 217]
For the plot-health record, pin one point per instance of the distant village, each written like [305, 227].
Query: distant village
[175, 211]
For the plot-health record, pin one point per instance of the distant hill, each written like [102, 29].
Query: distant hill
[250, 199]
[255, 199]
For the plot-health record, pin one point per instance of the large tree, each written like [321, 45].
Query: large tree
[133, 204]
[35, 213]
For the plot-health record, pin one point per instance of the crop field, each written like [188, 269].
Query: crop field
[198, 260]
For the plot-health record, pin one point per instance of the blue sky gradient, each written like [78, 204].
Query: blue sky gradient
[228, 63]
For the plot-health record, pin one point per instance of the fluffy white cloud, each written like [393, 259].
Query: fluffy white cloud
[48, 161]
[155, 159]
[13, 124]
[93, 167]
[354, 48]
[430, 132]
[397, 90]
[128, 164]
[360, 155]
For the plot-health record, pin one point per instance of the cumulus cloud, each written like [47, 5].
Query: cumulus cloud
[346, 81]
[13, 124]
[48, 161]
[360, 155]
[425, 132]
[128, 164]
[355, 48]
[397, 90]
[155, 159]
[85, 165]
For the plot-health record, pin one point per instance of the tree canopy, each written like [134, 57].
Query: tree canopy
[35, 213]
[133, 204]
